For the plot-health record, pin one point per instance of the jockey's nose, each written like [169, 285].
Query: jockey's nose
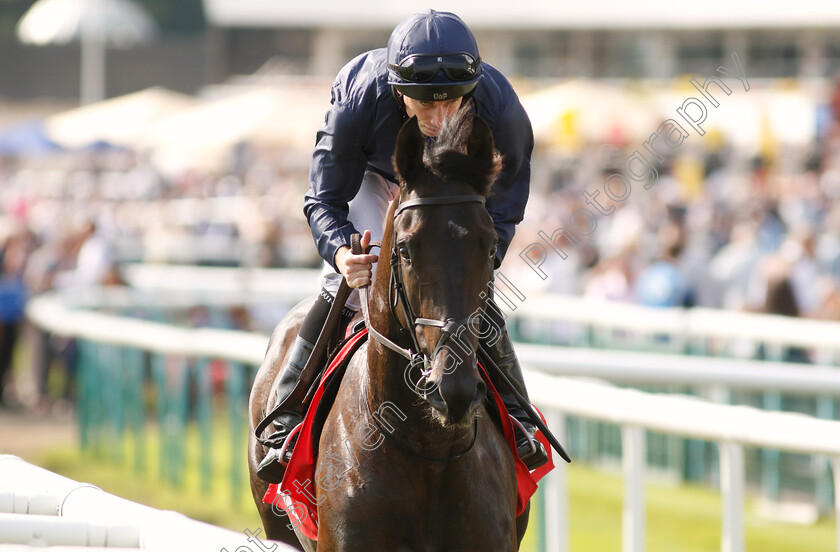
[440, 112]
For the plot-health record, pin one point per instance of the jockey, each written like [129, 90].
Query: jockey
[430, 69]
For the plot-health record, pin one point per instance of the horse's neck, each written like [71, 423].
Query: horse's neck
[387, 382]
[386, 368]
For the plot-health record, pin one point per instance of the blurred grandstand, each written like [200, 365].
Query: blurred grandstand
[214, 174]
[200, 154]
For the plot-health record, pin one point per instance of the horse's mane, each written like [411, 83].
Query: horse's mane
[447, 155]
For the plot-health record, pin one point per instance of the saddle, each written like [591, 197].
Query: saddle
[296, 493]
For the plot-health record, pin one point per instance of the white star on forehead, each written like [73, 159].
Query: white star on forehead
[457, 230]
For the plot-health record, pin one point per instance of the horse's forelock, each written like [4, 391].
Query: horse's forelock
[447, 156]
[479, 173]
[455, 130]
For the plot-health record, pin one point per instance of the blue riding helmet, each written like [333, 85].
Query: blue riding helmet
[433, 56]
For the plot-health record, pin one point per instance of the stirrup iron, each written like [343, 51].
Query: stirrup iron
[524, 431]
[292, 436]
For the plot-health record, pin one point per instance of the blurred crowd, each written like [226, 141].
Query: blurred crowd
[719, 228]
[31, 265]
[71, 221]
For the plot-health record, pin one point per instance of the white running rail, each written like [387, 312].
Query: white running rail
[731, 427]
[39, 508]
[694, 323]
[179, 283]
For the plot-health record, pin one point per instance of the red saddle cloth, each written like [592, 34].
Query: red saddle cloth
[296, 493]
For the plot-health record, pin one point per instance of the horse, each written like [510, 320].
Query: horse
[441, 476]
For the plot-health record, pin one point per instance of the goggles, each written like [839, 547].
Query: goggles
[424, 67]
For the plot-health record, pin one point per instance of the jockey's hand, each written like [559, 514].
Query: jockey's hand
[356, 269]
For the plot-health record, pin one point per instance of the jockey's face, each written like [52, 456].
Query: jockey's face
[430, 114]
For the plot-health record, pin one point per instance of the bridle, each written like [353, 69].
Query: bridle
[397, 297]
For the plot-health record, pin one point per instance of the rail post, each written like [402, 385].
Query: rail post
[732, 488]
[633, 456]
[556, 491]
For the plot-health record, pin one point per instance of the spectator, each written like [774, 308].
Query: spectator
[778, 297]
[663, 283]
[44, 264]
[95, 263]
[15, 251]
[734, 264]
[799, 251]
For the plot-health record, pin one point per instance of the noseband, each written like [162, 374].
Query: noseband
[397, 296]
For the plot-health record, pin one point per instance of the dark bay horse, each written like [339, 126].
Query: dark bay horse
[425, 466]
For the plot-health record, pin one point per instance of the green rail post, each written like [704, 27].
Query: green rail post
[82, 395]
[770, 459]
[178, 420]
[115, 399]
[235, 390]
[93, 390]
[106, 401]
[205, 421]
[134, 361]
[696, 452]
[823, 480]
[162, 412]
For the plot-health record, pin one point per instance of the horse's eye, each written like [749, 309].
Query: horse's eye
[406, 258]
[494, 250]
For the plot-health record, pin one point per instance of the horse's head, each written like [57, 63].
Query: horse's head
[442, 249]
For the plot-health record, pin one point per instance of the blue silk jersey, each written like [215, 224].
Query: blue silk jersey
[360, 131]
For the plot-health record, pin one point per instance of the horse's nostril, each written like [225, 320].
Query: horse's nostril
[436, 400]
[480, 395]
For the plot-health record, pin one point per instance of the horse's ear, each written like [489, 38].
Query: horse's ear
[480, 143]
[408, 154]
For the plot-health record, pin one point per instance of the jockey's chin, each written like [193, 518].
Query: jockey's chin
[429, 130]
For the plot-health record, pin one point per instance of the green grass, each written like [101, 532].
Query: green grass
[683, 518]
[679, 518]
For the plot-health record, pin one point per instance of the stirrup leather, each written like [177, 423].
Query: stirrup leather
[518, 424]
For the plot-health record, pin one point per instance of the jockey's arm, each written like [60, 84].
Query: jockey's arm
[514, 139]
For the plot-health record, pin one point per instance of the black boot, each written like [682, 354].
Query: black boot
[272, 467]
[498, 345]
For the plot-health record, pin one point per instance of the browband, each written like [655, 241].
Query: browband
[443, 200]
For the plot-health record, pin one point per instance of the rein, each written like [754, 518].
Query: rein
[448, 326]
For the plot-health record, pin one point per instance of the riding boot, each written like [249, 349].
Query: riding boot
[272, 466]
[498, 345]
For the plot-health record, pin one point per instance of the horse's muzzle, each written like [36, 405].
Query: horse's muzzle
[457, 396]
